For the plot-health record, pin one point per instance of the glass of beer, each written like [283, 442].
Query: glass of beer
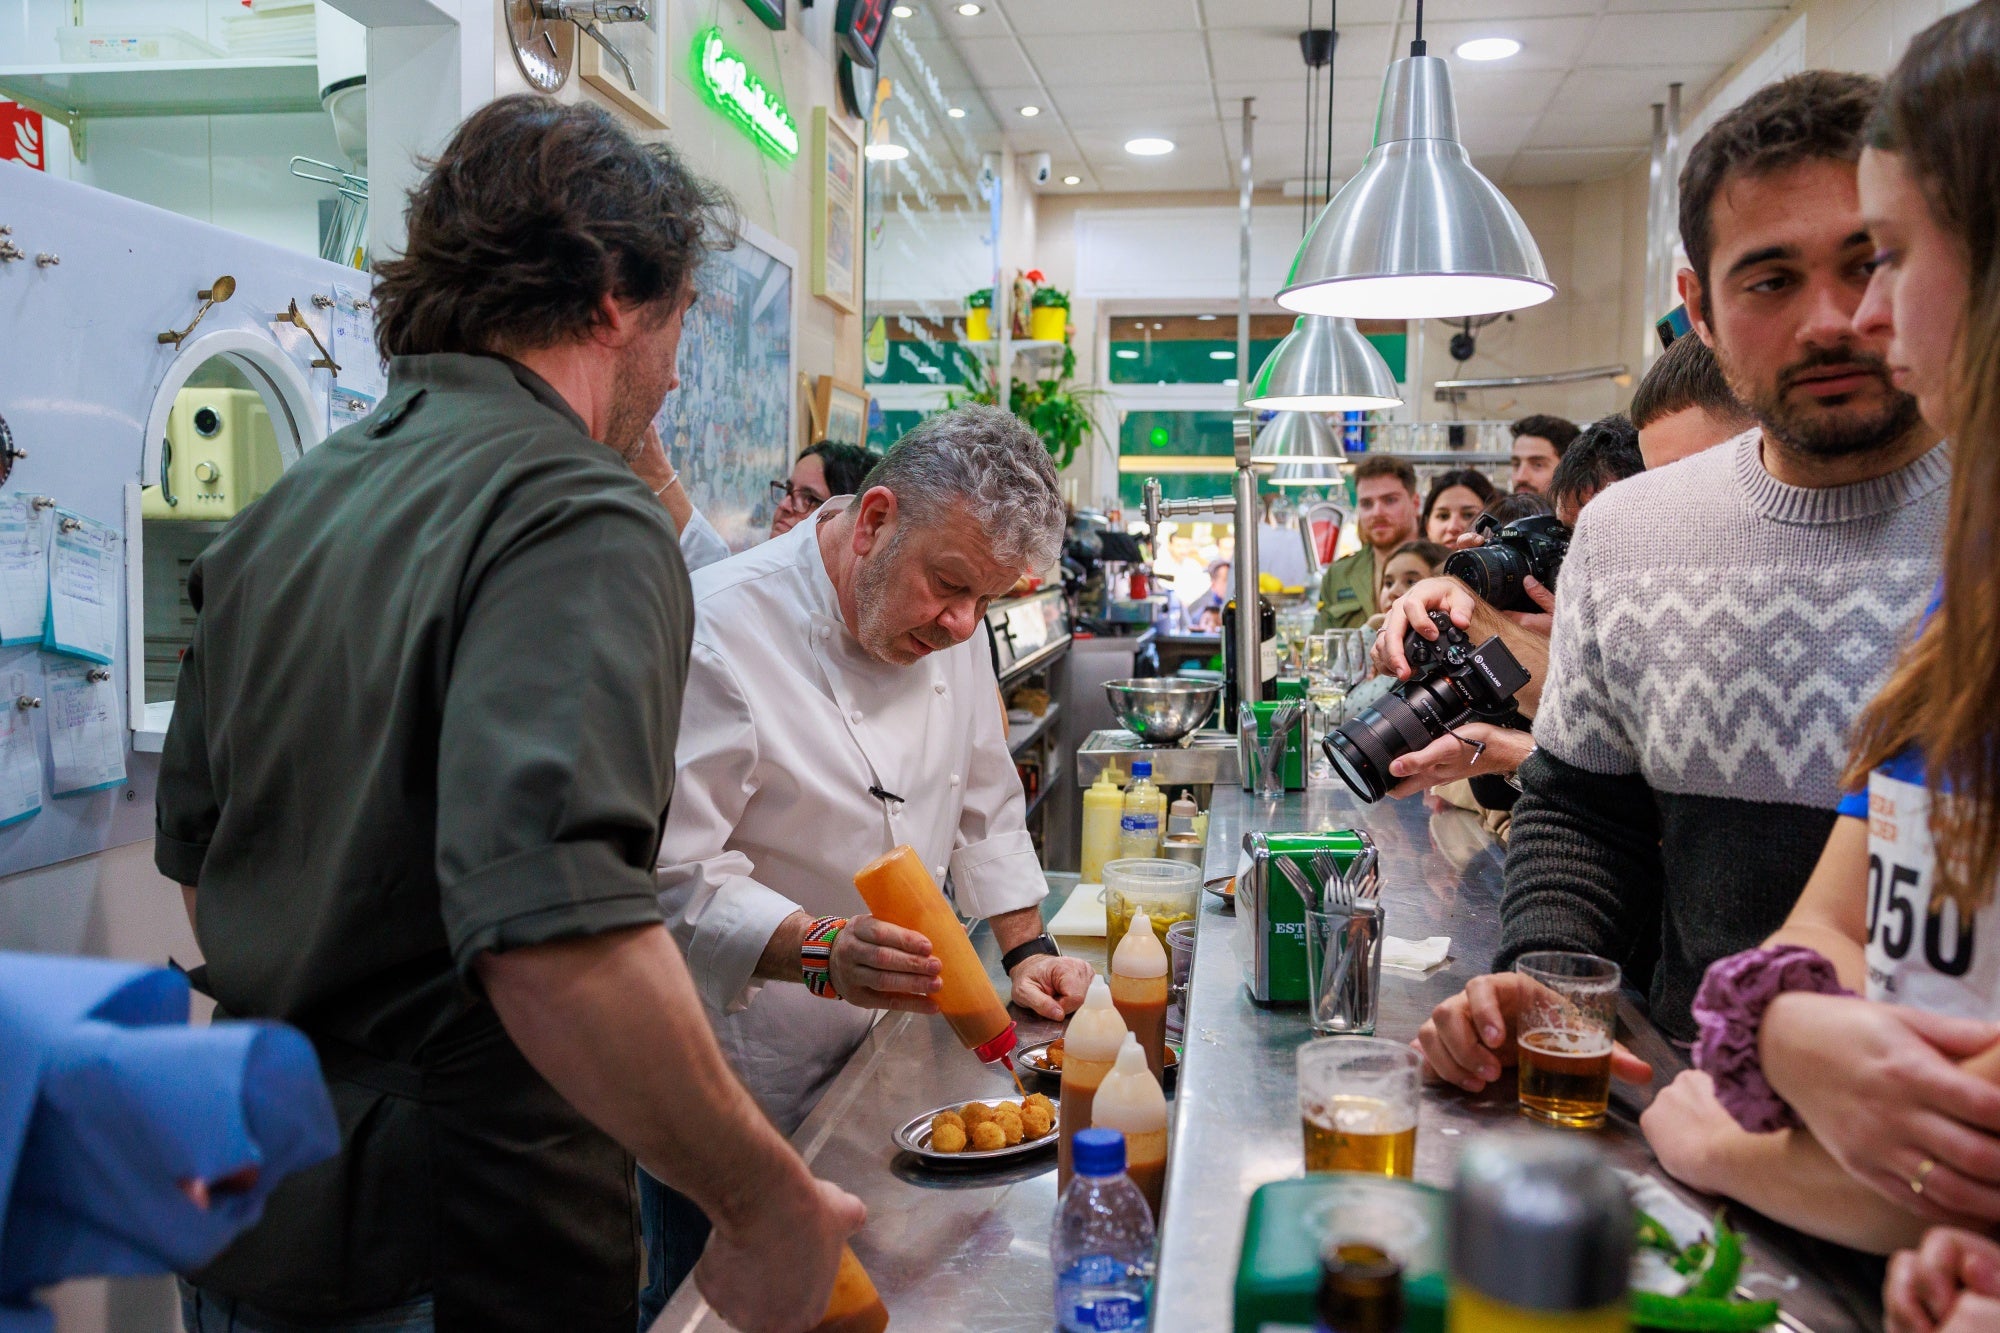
[1358, 1105]
[1567, 1021]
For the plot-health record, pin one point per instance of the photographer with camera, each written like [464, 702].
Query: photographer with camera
[1721, 621]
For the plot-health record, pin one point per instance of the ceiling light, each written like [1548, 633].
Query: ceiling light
[1149, 147]
[902, 11]
[1488, 48]
[1304, 447]
[1126, 354]
[968, 10]
[956, 112]
[1031, 111]
[1072, 180]
[1222, 356]
[886, 152]
[1323, 365]
[1204, 317]
[1229, 383]
[1418, 232]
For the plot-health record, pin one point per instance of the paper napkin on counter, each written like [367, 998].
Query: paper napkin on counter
[1420, 957]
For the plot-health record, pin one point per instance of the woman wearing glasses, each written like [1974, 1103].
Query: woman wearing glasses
[822, 472]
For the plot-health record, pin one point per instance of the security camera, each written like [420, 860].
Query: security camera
[1039, 168]
[989, 172]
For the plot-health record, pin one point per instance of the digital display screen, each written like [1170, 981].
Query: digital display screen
[858, 26]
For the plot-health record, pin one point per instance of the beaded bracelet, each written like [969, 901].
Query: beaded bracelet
[816, 955]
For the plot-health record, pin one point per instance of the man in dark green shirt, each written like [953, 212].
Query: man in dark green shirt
[421, 750]
[1385, 503]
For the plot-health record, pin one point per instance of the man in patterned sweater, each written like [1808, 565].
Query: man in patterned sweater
[1720, 621]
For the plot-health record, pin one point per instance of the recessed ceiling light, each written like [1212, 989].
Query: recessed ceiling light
[1204, 317]
[1031, 111]
[1126, 354]
[1159, 326]
[1072, 180]
[968, 10]
[886, 152]
[1149, 147]
[901, 11]
[1222, 356]
[1488, 48]
[955, 112]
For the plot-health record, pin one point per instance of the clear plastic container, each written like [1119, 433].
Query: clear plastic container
[1166, 891]
[1101, 1246]
[98, 45]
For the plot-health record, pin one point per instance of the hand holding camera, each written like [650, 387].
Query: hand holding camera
[1512, 568]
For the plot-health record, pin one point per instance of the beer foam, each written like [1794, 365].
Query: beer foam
[1568, 1043]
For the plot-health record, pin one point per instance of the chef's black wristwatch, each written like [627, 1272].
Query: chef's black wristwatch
[1022, 952]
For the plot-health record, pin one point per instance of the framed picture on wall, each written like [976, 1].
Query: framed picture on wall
[644, 47]
[840, 411]
[836, 235]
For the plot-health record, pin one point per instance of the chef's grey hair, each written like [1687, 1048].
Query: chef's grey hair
[984, 463]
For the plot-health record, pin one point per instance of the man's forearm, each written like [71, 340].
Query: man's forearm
[1583, 862]
[615, 1025]
[780, 960]
[1016, 927]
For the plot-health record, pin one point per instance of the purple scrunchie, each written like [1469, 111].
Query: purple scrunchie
[1729, 1008]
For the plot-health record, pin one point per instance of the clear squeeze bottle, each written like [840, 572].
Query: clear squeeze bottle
[898, 889]
[854, 1306]
[1101, 1245]
[1090, 1048]
[1130, 1101]
[1145, 814]
[1139, 989]
[1103, 805]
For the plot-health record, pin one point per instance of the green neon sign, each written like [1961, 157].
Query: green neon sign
[726, 81]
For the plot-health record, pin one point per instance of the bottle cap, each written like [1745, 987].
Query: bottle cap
[1139, 954]
[1098, 1152]
[997, 1049]
[1131, 1060]
[1142, 768]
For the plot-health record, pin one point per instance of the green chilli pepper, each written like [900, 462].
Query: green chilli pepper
[1702, 1314]
[1654, 1236]
[1725, 1262]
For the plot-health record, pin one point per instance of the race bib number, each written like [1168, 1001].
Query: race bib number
[1921, 952]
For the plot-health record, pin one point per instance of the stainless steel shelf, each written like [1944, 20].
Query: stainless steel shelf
[107, 89]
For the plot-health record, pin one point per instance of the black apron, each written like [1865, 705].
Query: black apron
[465, 1176]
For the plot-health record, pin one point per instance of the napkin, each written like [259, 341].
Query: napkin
[1420, 957]
[1082, 914]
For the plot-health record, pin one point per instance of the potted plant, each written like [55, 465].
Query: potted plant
[1056, 409]
[979, 316]
[1048, 315]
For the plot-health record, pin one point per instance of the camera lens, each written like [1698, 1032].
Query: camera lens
[1494, 573]
[206, 422]
[1406, 720]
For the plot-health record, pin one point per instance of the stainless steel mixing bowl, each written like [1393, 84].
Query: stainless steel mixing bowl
[1160, 711]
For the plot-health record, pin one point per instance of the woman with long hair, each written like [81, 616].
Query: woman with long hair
[1862, 1118]
[1456, 500]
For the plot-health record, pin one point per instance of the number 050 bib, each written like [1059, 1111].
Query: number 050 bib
[1921, 953]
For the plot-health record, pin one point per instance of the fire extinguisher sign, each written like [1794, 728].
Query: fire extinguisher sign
[21, 138]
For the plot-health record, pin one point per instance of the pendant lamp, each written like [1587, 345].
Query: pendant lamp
[1418, 233]
[1304, 447]
[1324, 365]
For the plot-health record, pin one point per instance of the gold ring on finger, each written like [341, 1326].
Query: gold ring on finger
[1924, 1169]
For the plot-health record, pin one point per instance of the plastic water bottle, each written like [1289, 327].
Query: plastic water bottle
[1102, 1246]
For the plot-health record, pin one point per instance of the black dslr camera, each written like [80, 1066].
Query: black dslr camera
[1526, 546]
[1450, 682]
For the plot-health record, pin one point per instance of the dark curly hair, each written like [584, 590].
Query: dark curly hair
[532, 214]
[1814, 115]
[1607, 451]
[846, 465]
[1558, 431]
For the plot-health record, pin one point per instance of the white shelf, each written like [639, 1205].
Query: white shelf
[1022, 347]
[164, 87]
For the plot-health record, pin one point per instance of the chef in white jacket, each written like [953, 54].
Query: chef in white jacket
[840, 702]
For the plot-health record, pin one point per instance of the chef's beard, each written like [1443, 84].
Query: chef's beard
[877, 633]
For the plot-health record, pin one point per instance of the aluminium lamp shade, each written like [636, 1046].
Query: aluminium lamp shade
[1304, 448]
[1324, 365]
[1418, 232]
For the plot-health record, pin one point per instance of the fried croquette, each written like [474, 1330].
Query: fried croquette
[1035, 1121]
[1010, 1124]
[987, 1136]
[975, 1114]
[1037, 1099]
[947, 1135]
[943, 1118]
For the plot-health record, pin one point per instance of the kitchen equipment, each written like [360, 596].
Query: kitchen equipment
[914, 1136]
[1161, 711]
[1198, 763]
[1275, 965]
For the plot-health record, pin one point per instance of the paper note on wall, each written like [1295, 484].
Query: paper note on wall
[86, 735]
[84, 563]
[20, 756]
[24, 569]
[362, 380]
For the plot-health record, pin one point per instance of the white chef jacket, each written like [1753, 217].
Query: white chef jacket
[785, 725]
[701, 544]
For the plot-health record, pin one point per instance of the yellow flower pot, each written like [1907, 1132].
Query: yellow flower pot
[978, 324]
[1046, 323]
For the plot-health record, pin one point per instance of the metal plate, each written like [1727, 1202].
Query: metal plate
[914, 1136]
[1033, 1060]
[1224, 888]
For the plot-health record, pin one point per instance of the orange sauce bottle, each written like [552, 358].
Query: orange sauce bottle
[1090, 1048]
[854, 1306]
[899, 890]
[1139, 989]
[1130, 1101]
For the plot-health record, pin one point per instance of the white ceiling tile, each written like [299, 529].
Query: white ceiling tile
[1265, 55]
[1674, 39]
[1534, 167]
[1774, 10]
[1446, 11]
[1292, 13]
[1160, 58]
[1031, 136]
[1628, 126]
[1546, 43]
[1134, 121]
[1101, 16]
[996, 60]
[1488, 136]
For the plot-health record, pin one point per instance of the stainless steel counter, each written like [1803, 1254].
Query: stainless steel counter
[970, 1251]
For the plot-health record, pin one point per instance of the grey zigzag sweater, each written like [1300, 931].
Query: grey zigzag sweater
[1717, 631]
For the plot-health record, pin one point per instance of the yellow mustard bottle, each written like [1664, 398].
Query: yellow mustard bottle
[1103, 804]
